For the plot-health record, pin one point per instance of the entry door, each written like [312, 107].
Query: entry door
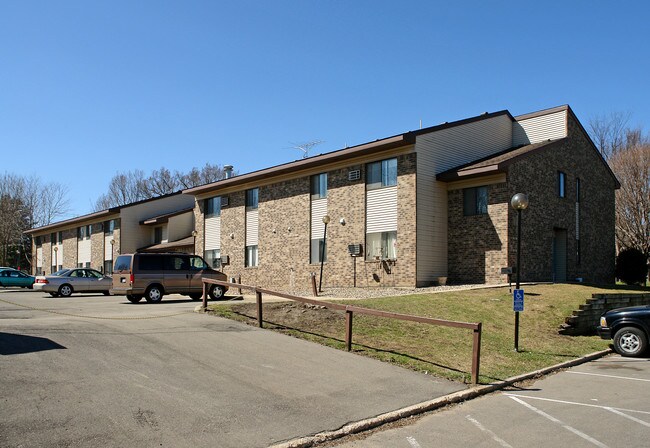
[559, 255]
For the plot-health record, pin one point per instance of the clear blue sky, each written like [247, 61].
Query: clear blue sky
[90, 88]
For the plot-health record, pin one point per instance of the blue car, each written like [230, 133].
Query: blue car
[14, 277]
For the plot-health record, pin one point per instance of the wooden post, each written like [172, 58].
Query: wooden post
[348, 330]
[239, 281]
[476, 353]
[258, 297]
[205, 296]
[314, 291]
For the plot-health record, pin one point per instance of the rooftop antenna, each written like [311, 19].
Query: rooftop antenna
[305, 147]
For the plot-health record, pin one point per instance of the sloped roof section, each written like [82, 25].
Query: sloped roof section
[495, 163]
[155, 220]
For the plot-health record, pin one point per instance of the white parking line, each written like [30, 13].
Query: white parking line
[414, 443]
[634, 419]
[496, 438]
[576, 403]
[609, 376]
[560, 422]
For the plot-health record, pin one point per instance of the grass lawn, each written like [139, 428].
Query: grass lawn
[441, 351]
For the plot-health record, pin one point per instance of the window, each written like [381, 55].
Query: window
[83, 233]
[109, 227]
[108, 267]
[381, 245]
[213, 258]
[145, 263]
[319, 186]
[475, 201]
[381, 174]
[251, 256]
[213, 207]
[53, 268]
[577, 189]
[123, 263]
[38, 241]
[60, 238]
[318, 247]
[561, 184]
[176, 262]
[157, 235]
[252, 199]
[197, 263]
[53, 238]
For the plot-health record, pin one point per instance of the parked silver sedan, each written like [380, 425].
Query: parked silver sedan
[65, 282]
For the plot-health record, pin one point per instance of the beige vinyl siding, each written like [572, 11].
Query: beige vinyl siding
[437, 152]
[84, 251]
[133, 235]
[538, 129]
[180, 226]
[318, 210]
[108, 247]
[381, 210]
[252, 227]
[213, 233]
[39, 257]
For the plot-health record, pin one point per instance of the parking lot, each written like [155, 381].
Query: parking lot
[605, 403]
[91, 370]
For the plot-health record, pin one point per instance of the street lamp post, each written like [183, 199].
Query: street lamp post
[326, 220]
[518, 202]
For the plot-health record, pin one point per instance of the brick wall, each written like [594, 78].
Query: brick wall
[284, 233]
[583, 322]
[70, 248]
[97, 246]
[480, 245]
[537, 176]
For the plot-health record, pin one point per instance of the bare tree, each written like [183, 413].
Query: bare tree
[609, 132]
[133, 186]
[632, 167]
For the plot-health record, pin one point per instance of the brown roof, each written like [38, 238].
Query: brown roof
[163, 247]
[495, 163]
[164, 218]
[365, 149]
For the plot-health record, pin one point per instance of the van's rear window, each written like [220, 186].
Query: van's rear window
[123, 263]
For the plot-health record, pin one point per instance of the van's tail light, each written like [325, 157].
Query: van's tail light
[131, 279]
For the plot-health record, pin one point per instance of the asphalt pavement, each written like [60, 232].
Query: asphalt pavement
[91, 370]
[604, 403]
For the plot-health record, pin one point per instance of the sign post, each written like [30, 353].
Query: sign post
[517, 306]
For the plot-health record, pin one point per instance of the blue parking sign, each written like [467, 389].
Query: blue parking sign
[518, 300]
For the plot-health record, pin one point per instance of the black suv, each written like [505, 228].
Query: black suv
[629, 327]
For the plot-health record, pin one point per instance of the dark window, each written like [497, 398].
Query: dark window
[319, 186]
[149, 263]
[108, 267]
[252, 198]
[177, 262]
[53, 238]
[197, 263]
[84, 232]
[213, 207]
[577, 189]
[109, 227]
[38, 241]
[157, 235]
[381, 174]
[475, 201]
[123, 263]
[561, 184]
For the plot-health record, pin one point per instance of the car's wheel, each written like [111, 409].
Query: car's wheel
[133, 299]
[630, 341]
[216, 292]
[65, 290]
[54, 294]
[154, 294]
[196, 296]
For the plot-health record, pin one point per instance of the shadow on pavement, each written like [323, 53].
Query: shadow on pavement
[15, 344]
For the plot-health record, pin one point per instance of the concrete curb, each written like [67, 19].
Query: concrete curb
[426, 406]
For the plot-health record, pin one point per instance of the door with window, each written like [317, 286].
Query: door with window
[177, 273]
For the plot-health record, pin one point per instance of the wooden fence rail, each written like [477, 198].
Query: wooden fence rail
[349, 314]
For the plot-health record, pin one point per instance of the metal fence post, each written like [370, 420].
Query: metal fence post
[205, 296]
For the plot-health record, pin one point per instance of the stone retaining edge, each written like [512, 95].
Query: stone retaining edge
[426, 406]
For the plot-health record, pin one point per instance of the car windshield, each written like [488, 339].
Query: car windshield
[61, 272]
